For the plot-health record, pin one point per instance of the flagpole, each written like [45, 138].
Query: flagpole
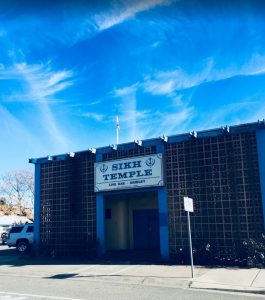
[117, 130]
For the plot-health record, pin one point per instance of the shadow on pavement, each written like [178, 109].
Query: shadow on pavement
[9, 256]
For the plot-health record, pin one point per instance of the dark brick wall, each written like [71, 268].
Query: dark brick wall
[221, 174]
[68, 206]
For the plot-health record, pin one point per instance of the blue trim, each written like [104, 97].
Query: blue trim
[37, 210]
[59, 157]
[152, 142]
[163, 208]
[250, 127]
[163, 220]
[127, 146]
[100, 224]
[100, 214]
[103, 150]
[260, 134]
[211, 133]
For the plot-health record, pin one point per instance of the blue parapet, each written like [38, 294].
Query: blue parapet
[261, 155]
[37, 210]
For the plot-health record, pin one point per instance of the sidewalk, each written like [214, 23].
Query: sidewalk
[175, 276]
[231, 279]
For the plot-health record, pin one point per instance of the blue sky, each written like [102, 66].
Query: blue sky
[165, 66]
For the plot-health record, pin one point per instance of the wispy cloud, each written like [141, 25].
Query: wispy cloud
[174, 122]
[125, 91]
[93, 116]
[39, 84]
[249, 110]
[140, 124]
[167, 82]
[122, 11]
[78, 22]
[43, 82]
[15, 135]
[147, 123]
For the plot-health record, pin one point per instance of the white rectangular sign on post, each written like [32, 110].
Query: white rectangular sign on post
[129, 173]
[188, 204]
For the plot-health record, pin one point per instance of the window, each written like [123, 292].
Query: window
[16, 229]
[30, 229]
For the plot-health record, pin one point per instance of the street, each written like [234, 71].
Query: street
[27, 278]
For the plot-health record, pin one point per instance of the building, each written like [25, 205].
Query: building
[131, 196]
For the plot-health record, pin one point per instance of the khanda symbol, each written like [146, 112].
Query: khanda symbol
[103, 168]
[150, 162]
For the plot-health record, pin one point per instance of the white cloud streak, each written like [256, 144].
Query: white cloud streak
[139, 124]
[40, 84]
[124, 10]
[93, 116]
[167, 82]
[125, 91]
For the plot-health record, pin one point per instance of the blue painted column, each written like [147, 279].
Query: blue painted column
[260, 133]
[163, 221]
[100, 214]
[100, 224]
[163, 209]
[37, 210]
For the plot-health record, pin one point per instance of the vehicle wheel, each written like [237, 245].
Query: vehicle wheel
[22, 246]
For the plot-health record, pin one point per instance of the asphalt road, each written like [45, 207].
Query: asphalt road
[24, 278]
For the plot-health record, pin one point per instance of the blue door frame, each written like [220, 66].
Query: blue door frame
[163, 219]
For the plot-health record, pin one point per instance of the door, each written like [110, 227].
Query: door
[30, 234]
[146, 229]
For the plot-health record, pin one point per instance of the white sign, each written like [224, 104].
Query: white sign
[188, 204]
[129, 173]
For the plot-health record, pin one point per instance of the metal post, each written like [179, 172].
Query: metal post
[117, 129]
[117, 135]
[191, 255]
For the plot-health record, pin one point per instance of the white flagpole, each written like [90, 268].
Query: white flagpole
[117, 129]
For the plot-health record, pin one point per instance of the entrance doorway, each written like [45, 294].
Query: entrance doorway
[146, 229]
[132, 222]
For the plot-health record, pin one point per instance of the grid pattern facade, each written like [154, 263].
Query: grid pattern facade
[221, 174]
[68, 206]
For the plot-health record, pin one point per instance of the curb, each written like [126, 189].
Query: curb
[225, 288]
[230, 290]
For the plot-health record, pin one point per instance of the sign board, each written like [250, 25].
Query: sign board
[188, 204]
[129, 173]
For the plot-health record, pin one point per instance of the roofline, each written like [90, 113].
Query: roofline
[245, 127]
